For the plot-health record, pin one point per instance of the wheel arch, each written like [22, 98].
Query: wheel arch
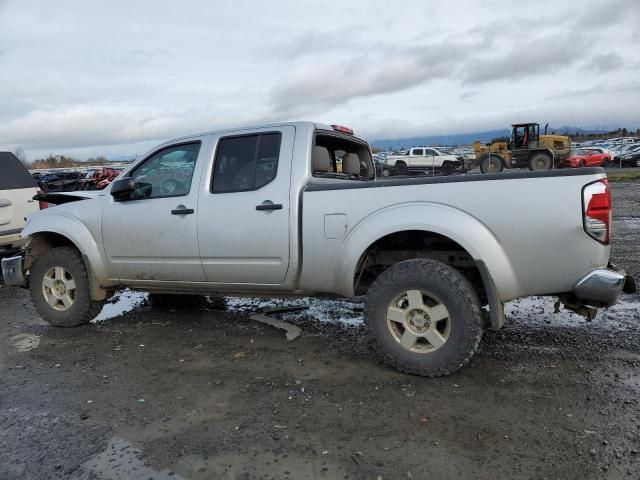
[63, 230]
[450, 228]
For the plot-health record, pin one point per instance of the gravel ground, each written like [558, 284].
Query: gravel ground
[198, 392]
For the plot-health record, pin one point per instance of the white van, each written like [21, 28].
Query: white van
[17, 188]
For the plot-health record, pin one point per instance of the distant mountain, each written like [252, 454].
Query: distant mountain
[453, 139]
[467, 138]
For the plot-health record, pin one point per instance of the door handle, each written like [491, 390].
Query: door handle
[182, 210]
[4, 202]
[269, 205]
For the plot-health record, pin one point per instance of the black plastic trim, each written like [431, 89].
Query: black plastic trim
[496, 307]
[404, 181]
[269, 206]
[182, 211]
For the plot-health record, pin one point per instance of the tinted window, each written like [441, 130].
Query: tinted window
[13, 174]
[166, 173]
[246, 163]
[418, 151]
[430, 153]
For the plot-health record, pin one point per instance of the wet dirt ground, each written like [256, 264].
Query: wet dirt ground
[195, 392]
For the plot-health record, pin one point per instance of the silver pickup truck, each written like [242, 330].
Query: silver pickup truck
[295, 209]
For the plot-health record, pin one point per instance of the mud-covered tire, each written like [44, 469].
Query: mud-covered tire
[453, 291]
[488, 160]
[401, 168]
[82, 309]
[540, 161]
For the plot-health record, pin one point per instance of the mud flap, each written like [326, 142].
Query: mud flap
[12, 272]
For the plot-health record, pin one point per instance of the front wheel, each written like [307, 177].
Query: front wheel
[492, 164]
[540, 161]
[59, 287]
[424, 317]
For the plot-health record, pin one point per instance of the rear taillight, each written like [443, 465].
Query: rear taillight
[43, 205]
[596, 208]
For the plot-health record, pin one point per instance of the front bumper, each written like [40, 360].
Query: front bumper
[12, 272]
[602, 287]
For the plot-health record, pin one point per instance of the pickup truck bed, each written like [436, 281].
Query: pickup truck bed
[522, 262]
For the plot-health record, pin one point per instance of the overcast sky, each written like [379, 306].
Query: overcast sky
[88, 78]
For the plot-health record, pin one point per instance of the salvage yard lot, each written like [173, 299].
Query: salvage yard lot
[198, 392]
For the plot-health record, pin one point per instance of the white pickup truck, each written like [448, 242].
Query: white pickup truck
[265, 211]
[424, 159]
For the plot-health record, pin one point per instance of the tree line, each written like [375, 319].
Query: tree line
[59, 161]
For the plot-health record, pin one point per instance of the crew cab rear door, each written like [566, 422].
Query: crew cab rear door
[243, 209]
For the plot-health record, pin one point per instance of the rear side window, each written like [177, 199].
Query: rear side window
[13, 174]
[246, 163]
[418, 151]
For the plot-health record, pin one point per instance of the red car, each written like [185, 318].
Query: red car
[585, 158]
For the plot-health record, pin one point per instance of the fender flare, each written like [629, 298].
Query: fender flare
[79, 235]
[469, 232]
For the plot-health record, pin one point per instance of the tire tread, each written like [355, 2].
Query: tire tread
[86, 310]
[454, 280]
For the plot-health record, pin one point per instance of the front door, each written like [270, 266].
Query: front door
[243, 211]
[153, 234]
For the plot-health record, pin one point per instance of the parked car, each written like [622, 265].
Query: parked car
[17, 189]
[61, 181]
[607, 153]
[627, 152]
[630, 160]
[269, 214]
[423, 159]
[584, 158]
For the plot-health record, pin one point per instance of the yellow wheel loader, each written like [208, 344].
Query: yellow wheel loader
[525, 148]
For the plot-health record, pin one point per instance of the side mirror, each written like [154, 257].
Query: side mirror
[122, 189]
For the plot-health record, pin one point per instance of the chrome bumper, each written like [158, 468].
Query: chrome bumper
[12, 272]
[602, 287]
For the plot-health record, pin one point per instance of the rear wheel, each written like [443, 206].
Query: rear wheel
[401, 168]
[424, 317]
[540, 161]
[59, 287]
[491, 164]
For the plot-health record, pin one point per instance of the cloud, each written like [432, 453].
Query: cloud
[322, 86]
[112, 79]
[313, 43]
[604, 62]
[606, 14]
[532, 57]
[599, 89]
